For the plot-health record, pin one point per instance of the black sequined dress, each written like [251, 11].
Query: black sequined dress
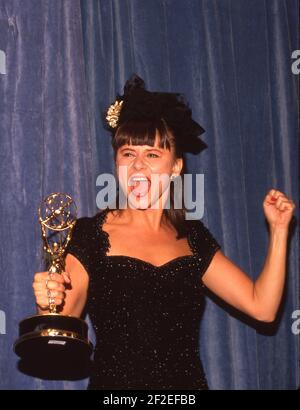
[146, 318]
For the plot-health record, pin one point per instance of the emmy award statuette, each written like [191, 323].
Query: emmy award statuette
[50, 345]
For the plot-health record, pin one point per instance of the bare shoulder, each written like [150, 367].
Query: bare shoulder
[113, 218]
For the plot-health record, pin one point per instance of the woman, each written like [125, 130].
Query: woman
[140, 271]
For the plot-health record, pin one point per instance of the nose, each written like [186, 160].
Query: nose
[138, 163]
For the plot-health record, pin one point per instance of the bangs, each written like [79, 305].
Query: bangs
[143, 133]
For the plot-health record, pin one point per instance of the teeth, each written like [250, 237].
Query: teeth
[135, 180]
[139, 179]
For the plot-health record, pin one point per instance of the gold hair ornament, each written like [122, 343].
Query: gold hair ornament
[113, 113]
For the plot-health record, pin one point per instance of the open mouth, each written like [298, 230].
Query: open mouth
[139, 185]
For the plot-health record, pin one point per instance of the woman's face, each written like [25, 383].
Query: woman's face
[144, 174]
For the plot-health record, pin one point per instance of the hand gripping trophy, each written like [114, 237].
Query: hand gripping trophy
[51, 345]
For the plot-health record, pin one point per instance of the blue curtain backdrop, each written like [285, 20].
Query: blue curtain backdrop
[65, 60]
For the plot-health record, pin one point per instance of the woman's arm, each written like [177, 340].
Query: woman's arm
[69, 289]
[259, 299]
[76, 294]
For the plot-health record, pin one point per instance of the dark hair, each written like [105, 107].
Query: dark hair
[136, 132]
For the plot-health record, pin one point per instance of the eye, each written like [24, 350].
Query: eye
[152, 155]
[127, 154]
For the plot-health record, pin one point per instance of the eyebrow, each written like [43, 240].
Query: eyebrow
[147, 149]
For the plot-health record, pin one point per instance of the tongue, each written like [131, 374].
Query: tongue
[141, 188]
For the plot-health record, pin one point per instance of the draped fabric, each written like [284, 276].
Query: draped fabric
[65, 60]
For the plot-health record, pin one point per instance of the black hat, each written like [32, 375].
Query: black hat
[139, 104]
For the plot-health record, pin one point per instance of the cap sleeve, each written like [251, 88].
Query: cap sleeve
[203, 244]
[79, 242]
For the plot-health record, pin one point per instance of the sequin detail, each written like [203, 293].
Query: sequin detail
[146, 318]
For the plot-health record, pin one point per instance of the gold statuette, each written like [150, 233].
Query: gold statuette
[54, 346]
